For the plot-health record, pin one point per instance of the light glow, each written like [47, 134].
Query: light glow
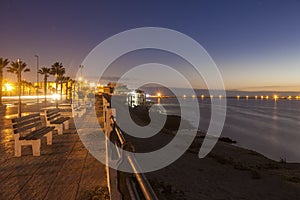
[55, 96]
[8, 87]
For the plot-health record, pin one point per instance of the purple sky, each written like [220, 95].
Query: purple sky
[256, 44]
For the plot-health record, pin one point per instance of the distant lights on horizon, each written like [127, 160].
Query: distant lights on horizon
[275, 97]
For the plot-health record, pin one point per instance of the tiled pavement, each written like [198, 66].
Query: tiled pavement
[65, 169]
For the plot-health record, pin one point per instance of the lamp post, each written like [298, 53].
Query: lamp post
[37, 78]
[80, 83]
[80, 78]
[19, 88]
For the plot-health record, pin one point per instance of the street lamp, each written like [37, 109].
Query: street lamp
[37, 78]
[19, 88]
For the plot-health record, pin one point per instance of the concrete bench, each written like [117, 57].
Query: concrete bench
[28, 130]
[54, 118]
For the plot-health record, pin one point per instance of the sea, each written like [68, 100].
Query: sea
[268, 126]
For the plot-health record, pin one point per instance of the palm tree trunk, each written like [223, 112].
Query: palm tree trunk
[61, 89]
[45, 89]
[23, 89]
[71, 92]
[56, 85]
[1, 79]
[67, 88]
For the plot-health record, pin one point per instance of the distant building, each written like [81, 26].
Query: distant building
[136, 98]
[121, 89]
[105, 89]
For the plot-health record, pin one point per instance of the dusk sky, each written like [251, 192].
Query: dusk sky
[255, 44]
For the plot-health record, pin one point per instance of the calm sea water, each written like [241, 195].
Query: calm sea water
[268, 127]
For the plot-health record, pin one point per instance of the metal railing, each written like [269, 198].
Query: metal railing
[143, 189]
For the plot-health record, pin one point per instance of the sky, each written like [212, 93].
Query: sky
[254, 43]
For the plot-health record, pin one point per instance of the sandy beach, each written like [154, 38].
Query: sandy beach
[228, 172]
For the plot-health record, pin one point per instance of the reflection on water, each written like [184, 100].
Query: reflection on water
[267, 126]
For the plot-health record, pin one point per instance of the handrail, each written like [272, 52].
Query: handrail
[145, 186]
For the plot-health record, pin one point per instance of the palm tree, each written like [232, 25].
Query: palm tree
[45, 71]
[17, 68]
[58, 71]
[3, 64]
[26, 87]
[66, 80]
[72, 82]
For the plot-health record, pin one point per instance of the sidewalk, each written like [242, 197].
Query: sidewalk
[65, 169]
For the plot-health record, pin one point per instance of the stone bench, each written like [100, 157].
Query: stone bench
[28, 130]
[54, 118]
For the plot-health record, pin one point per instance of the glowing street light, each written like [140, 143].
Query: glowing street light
[158, 97]
[56, 97]
[256, 97]
[276, 97]
[8, 87]
[247, 97]
[238, 97]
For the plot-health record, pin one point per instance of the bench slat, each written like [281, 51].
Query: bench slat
[49, 118]
[52, 111]
[25, 128]
[15, 120]
[23, 123]
[60, 120]
[37, 134]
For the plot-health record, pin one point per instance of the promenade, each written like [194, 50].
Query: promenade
[65, 169]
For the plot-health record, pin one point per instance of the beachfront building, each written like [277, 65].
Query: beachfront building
[136, 98]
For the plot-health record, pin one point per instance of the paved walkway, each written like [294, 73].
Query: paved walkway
[65, 169]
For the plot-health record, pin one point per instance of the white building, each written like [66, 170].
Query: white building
[136, 98]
